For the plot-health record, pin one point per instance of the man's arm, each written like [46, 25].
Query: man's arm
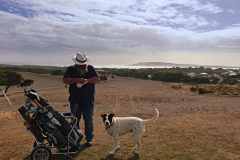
[68, 80]
[93, 75]
[92, 80]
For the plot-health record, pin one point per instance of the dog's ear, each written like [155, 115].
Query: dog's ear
[111, 115]
[103, 115]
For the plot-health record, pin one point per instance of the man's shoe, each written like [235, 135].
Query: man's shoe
[88, 143]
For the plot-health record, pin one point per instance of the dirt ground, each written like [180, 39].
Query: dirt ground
[190, 127]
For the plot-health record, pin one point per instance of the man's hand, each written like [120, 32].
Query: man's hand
[74, 80]
[82, 82]
[79, 80]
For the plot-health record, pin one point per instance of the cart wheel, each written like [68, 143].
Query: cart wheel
[35, 144]
[68, 157]
[41, 153]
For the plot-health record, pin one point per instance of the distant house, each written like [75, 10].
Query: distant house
[224, 73]
[102, 74]
[230, 73]
[192, 74]
[149, 76]
[204, 74]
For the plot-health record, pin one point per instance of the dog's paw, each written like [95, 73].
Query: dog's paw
[109, 156]
[116, 149]
[135, 153]
[135, 156]
[111, 153]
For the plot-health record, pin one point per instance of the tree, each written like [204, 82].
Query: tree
[9, 78]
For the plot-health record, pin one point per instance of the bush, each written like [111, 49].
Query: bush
[194, 89]
[57, 72]
[169, 76]
[204, 91]
[231, 90]
[176, 87]
[8, 78]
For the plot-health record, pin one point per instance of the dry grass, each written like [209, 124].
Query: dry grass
[191, 127]
[177, 87]
[230, 90]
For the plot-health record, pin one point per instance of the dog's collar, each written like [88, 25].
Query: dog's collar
[113, 121]
[107, 127]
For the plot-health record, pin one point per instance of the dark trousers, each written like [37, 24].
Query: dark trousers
[84, 109]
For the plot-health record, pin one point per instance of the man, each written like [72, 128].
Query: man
[81, 79]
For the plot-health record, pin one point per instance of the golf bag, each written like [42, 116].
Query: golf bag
[48, 125]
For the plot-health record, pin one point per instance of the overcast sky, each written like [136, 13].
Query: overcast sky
[50, 32]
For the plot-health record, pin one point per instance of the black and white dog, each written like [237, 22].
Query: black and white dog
[117, 126]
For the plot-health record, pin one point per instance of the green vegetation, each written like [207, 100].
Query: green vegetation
[8, 78]
[34, 69]
[189, 75]
[57, 72]
[165, 75]
[180, 75]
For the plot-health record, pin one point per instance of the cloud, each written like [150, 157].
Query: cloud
[115, 29]
[181, 13]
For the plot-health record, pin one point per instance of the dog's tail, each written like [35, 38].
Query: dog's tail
[154, 118]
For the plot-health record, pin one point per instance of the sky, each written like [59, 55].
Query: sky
[120, 32]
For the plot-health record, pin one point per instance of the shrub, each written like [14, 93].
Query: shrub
[204, 91]
[168, 76]
[194, 89]
[177, 87]
[8, 78]
[57, 72]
